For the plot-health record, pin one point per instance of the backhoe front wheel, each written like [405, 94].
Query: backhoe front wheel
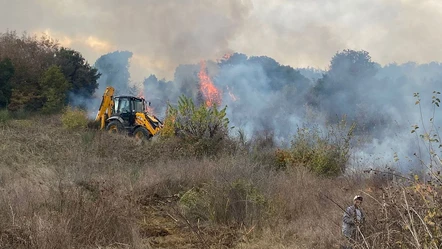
[142, 133]
[115, 126]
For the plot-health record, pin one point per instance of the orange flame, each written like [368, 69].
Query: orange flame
[149, 109]
[210, 92]
[227, 56]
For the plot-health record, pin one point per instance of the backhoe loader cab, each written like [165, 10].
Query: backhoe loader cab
[127, 114]
[125, 105]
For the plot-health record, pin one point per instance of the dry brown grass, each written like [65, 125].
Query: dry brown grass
[89, 189]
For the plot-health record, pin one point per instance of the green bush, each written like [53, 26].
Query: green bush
[326, 153]
[73, 118]
[4, 116]
[197, 122]
[203, 127]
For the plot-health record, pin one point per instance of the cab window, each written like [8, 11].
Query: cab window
[123, 105]
[116, 102]
[138, 105]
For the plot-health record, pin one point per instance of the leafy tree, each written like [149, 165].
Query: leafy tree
[54, 90]
[234, 59]
[155, 88]
[82, 77]
[278, 76]
[30, 56]
[114, 70]
[6, 72]
[350, 71]
[352, 63]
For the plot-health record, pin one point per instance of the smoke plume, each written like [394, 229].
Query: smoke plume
[165, 34]
[264, 96]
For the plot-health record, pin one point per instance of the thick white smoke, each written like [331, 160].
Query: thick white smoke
[264, 96]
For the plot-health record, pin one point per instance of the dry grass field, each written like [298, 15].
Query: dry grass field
[62, 188]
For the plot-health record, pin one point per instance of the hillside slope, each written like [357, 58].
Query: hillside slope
[89, 189]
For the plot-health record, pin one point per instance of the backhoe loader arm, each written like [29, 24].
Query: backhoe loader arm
[106, 107]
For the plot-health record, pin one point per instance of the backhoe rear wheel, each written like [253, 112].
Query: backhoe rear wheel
[115, 126]
[142, 133]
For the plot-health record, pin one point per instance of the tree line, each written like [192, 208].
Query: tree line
[36, 74]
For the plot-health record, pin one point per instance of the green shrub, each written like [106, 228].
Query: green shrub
[197, 122]
[4, 116]
[205, 128]
[325, 154]
[73, 118]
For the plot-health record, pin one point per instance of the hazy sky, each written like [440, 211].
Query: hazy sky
[165, 33]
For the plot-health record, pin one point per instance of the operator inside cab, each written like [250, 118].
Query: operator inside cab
[125, 106]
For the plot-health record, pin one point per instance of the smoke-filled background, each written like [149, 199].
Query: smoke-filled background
[276, 64]
[163, 34]
[264, 97]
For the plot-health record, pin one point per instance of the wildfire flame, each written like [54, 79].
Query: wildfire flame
[210, 92]
[149, 109]
[227, 56]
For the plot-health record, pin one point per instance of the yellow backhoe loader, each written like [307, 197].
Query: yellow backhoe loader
[127, 114]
